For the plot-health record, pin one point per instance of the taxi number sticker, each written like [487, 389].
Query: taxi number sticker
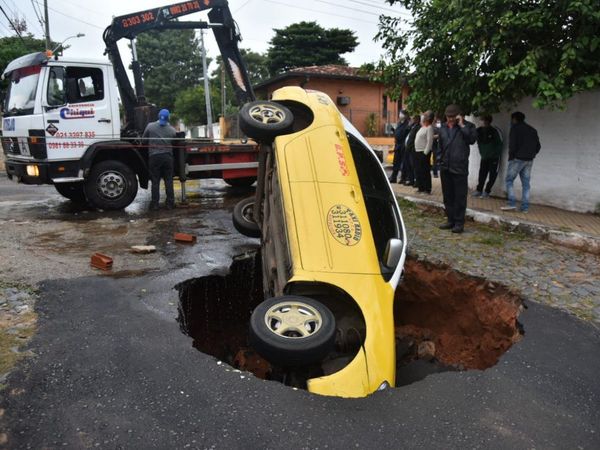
[344, 226]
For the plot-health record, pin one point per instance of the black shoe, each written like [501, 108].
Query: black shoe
[447, 226]
[458, 229]
[153, 207]
[391, 180]
[171, 206]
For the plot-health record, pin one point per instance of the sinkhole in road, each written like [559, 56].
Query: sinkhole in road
[444, 321]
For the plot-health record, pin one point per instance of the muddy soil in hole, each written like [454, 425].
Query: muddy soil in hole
[462, 321]
[445, 320]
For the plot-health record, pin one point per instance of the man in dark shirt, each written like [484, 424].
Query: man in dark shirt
[490, 149]
[523, 146]
[159, 135]
[408, 163]
[455, 138]
[400, 133]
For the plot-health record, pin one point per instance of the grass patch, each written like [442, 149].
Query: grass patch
[8, 341]
[493, 240]
[15, 329]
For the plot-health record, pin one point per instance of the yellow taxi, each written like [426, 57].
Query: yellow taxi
[333, 247]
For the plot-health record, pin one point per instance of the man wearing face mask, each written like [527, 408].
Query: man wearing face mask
[400, 134]
[455, 137]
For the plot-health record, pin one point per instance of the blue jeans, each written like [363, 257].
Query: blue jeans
[518, 167]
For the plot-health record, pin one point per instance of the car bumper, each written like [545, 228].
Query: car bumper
[36, 172]
[375, 362]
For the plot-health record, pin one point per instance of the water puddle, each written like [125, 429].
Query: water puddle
[445, 320]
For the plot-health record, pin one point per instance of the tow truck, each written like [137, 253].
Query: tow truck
[62, 124]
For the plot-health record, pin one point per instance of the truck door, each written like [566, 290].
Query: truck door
[77, 112]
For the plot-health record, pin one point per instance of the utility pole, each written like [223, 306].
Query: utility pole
[206, 89]
[223, 93]
[47, 25]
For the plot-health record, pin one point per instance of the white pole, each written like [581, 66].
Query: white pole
[206, 89]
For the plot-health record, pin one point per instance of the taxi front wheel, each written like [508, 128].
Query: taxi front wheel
[263, 121]
[292, 331]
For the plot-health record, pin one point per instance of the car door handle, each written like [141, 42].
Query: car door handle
[104, 120]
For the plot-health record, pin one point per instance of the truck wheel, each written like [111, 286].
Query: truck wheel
[72, 191]
[111, 185]
[240, 182]
[243, 218]
[292, 331]
[263, 121]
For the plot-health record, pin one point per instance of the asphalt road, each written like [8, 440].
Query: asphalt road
[112, 370]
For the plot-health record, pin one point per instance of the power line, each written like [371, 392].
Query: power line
[351, 9]
[10, 10]
[78, 5]
[320, 12]
[71, 17]
[380, 7]
[12, 24]
[38, 14]
[236, 11]
[6, 28]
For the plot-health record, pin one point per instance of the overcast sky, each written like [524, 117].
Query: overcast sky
[256, 20]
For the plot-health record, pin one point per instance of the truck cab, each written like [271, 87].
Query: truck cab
[55, 110]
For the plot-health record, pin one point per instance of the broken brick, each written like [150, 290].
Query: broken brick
[184, 237]
[101, 261]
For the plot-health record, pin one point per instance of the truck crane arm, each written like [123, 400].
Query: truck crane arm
[162, 18]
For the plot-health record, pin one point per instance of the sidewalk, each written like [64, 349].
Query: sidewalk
[565, 227]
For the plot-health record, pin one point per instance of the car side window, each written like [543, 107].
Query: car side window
[379, 200]
[56, 87]
[84, 84]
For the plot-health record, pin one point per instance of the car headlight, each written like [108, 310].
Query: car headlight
[33, 171]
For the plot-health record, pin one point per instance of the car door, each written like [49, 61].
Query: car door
[77, 110]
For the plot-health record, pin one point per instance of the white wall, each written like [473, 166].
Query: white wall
[566, 172]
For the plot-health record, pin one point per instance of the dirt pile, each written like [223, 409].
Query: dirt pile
[470, 321]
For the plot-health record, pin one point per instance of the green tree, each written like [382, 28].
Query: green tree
[190, 105]
[308, 44]
[486, 54]
[171, 61]
[13, 47]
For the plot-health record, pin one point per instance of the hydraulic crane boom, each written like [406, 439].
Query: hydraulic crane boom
[163, 18]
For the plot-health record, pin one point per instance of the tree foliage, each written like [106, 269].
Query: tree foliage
[190, 105]
[490, 53]
[13, 47]
[308, 44]
[171, 62]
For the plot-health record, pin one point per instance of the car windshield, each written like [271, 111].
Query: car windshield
[379, 200]
[21, 91]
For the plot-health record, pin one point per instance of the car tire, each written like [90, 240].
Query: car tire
[308, 337]
[263, 121]
[243, 220]
[111, 185]
[72, 191]
[240, 182]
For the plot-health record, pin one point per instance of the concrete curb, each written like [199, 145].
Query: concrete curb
[572, 239]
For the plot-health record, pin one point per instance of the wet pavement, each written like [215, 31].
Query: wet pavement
[113, 370]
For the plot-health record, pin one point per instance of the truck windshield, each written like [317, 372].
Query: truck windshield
[21, 91]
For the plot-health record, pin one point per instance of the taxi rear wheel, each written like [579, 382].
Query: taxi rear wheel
[292, 331]
[263, 121]
[243, 218]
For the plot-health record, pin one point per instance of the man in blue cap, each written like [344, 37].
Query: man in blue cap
[159, 135]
